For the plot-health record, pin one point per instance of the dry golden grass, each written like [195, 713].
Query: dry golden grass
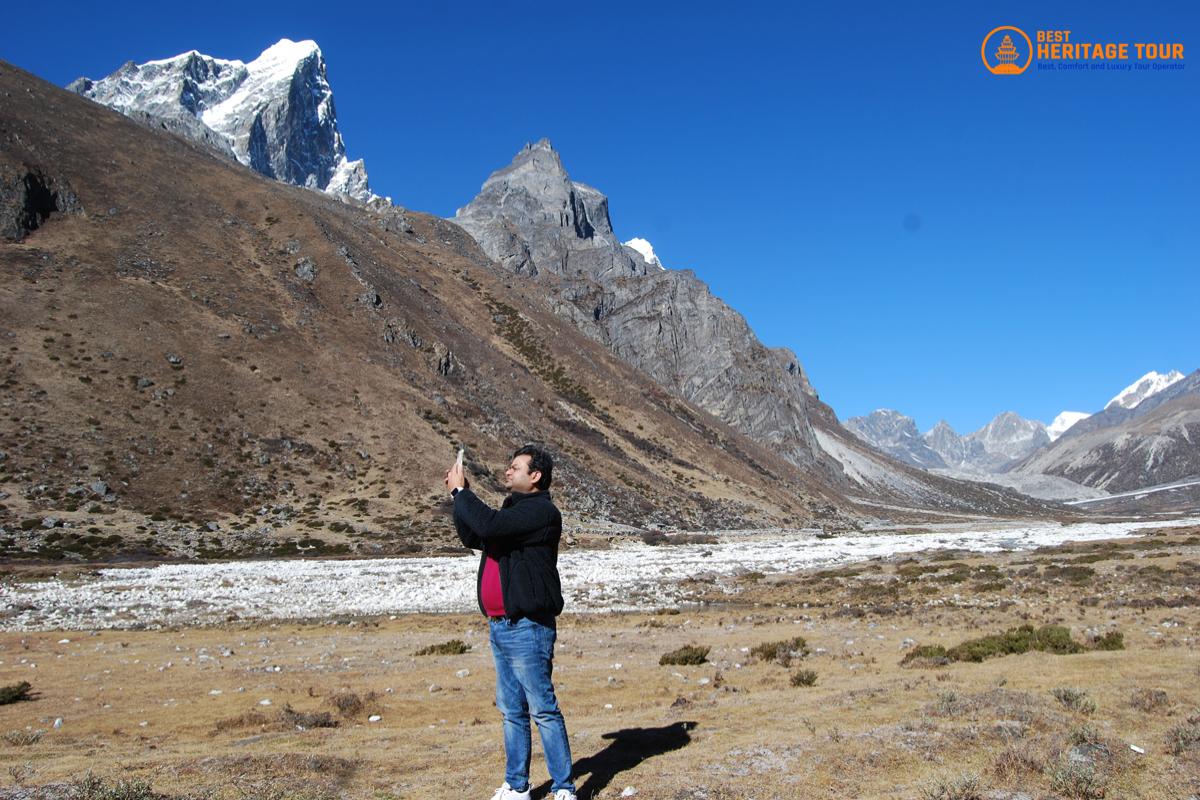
[141, 704]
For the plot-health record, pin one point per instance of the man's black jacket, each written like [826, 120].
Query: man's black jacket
[522, 535]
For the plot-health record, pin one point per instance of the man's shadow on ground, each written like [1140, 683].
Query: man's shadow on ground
[629, 747]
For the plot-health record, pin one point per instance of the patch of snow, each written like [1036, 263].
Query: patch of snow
[1043, 487]
[1149, 384]
[277, 64]
[646, 250]
[1063, 422]
[1137, 492]
[628, 576]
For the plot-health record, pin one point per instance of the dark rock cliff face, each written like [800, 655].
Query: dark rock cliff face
[28, 197]
[533, 219]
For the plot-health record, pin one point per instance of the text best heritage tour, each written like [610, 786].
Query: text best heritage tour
[1058, 45]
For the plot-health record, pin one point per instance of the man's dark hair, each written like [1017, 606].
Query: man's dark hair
[539, 461]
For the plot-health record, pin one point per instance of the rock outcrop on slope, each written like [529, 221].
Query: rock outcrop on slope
[275, 114]
[532, 219]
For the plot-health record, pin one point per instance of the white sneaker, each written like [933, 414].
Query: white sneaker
[563, 794]
[506, 792]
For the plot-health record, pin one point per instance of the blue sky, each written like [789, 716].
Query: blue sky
[925, 235]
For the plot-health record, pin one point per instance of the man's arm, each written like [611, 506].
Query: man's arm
[457, 482]
[486, 522]
[465, 535]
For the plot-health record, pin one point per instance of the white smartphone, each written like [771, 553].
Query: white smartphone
[460, 457]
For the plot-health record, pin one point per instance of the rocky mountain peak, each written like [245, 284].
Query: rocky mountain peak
[895, 434]
[539, 158]
[1008, 438]
[531, 218]
[541, 144]
[941, 428]
[275, 114]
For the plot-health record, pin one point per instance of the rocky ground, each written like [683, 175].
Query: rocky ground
[867, 705]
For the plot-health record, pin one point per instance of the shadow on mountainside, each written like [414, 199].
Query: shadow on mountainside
[628, 748]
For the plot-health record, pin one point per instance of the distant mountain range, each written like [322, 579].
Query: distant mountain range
[1121, 447]
[1133, 443]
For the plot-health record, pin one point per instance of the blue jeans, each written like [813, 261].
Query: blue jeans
[524, 655]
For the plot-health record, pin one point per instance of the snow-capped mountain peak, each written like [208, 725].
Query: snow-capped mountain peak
[646, 250]
[275, 114]
[1149, 384]
[1063, 422]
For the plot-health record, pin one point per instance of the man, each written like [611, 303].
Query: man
[519, 590]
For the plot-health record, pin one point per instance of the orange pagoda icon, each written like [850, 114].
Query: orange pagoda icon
[1006, 54]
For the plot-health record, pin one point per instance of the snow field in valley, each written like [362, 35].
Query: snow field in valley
[630, 575]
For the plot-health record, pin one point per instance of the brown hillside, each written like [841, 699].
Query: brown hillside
[216, 346]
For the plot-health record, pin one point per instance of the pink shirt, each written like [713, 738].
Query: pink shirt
[489, 589]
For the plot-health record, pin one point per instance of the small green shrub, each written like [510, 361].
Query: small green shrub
[349, 704]
[1016, 761]
[965, 787]
[948, 704]
[1079, 782]
[931, 655]
[454, 647]
[15, 693]
[1049, 638]
[23, 738]
[804, 677]
[92, 787]
[1148, 699]
[306, 719]
[1074, 699]
[689, 654]
[1085, 734]
[1185, 737]
[782, 651]
[1072, 573]
[1113, 640]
